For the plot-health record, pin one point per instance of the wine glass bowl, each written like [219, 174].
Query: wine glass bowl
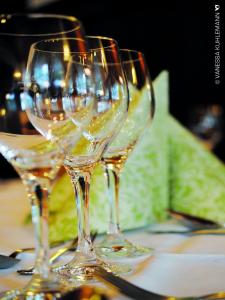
[49, 91]
[141, 102]
[110, 102]
[17, 33]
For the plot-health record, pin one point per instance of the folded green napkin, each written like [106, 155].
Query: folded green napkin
[197, 177]
[168, 167]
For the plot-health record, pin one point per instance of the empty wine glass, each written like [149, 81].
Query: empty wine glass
[140, 114]
[101, 64]
[36, 160]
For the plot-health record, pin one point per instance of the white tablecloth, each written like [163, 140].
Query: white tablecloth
[182, 266]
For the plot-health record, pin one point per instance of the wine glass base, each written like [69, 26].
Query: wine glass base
[52, 285]
[10, 295]
[38, 289]
[22, 295]
[82, 269]
[116, 247]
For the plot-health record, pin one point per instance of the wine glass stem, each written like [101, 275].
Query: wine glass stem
[81, 183]
[38, 192]
[113, 182]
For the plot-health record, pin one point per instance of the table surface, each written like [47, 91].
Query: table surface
[181, 266]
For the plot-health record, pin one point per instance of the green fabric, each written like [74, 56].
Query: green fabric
[197, 177]
[144, 188]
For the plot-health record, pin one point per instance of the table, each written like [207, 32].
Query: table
[181, 266]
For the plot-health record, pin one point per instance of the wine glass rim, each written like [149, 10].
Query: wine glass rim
[136, 52]
[102, 38]
[42, 15]
[34, 46]
[127, 61]
[139, 54]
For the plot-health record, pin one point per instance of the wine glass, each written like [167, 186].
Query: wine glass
[36, 160]
[140, 114]
[102, 63]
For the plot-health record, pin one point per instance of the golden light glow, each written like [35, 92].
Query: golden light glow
[220, 295]
[95, 297]
[61, 116]
[47, 101]
[66, 51]
[103, 59]
[2, 112]
[3, 21]
[134, 75]
[17, 74]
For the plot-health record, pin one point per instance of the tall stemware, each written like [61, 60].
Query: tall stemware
[140, 114]
[111, 105]
[36, 161]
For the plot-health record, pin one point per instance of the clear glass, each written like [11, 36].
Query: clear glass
[140, 114]
[102, 64]
[36, 160]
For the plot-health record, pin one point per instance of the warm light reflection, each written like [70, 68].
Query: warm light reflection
[61, 116]
[217, 110]
[66, 51]
[104, 60]
[134, 75]
[47, 101]
[219, 295]
[17, 74]
[142, 62]
[3, 21]
[2, 112]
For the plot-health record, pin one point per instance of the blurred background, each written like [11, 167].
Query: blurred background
[174, 35]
